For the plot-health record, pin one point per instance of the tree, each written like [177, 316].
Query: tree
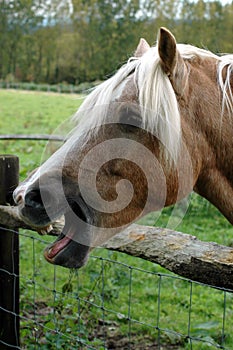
[108, 31]
[17, 18]
[86, 40]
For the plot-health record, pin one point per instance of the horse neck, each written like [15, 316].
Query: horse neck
[207, 131]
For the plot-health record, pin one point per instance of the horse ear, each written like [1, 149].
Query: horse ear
[167, 50]
[171, 61]
[142, 48]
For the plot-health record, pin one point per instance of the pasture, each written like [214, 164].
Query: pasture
[22, 112]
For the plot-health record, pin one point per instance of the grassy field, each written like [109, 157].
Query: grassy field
[115, 297]
[33, 113]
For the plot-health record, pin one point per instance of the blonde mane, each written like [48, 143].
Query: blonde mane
[158, 103]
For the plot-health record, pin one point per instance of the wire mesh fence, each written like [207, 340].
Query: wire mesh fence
[115, 302]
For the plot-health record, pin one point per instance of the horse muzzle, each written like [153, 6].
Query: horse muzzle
[40, 207]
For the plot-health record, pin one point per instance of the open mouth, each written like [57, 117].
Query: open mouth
[72, 246]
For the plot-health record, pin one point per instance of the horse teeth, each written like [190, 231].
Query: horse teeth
[49, 228]
[46, 230]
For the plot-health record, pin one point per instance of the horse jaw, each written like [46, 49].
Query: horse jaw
[71, 249]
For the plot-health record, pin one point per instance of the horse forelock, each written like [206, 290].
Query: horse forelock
[156, 97]
[93, 112]
[159, 106]
[157, 100]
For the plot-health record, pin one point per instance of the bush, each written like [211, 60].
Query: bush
[82, 88]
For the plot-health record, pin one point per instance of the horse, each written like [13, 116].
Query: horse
[158, 129]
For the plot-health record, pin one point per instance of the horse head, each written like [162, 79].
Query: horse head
[145, 138]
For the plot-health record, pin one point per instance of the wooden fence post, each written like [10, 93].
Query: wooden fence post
[9, 260]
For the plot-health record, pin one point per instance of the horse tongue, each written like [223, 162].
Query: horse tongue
[58, 246]
[64, 239]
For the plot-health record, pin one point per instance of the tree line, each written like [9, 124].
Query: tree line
[75, 41]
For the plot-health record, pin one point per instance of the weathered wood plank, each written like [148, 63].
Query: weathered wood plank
[183, 254]
[9, 217]
[9, 260]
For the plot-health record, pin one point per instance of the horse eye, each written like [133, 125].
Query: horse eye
[130, 121]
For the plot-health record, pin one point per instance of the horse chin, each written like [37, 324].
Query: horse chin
[67, 253]
[72, 247]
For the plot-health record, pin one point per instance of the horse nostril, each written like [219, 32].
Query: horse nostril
[39, 199]
[18, 198]
[33, 199]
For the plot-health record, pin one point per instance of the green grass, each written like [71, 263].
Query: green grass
[59, 306]
[34, 113]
